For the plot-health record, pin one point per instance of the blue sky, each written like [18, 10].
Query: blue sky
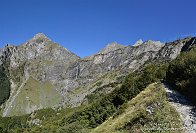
[86, 26]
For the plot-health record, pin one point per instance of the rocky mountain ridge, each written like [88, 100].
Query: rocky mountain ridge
[73, 77]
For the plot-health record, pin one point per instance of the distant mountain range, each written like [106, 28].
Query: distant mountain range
[42, 74]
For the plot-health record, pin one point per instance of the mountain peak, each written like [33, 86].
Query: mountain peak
[153, 42]
[38, 38]
[148, 42]
[111, 47]
[40, 35]
[139, 42]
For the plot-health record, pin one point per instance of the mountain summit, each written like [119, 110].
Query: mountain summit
[111, 47]
[40, 35]
[139, 42]
[39, 38]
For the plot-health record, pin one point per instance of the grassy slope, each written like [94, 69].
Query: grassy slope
[34, 95]
[130, 117]
[133, 116]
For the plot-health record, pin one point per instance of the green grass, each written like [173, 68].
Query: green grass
[34, 95]
[133, 117]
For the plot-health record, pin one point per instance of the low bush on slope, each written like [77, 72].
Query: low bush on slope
[4, 85]
[181, 74]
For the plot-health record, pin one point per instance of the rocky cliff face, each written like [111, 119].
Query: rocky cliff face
[39, 58]
[72, 77]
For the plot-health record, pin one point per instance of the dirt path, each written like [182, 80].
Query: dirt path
[185, 108]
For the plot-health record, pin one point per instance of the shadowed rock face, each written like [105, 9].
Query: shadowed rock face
[45, 60]
[129, 57]
[123, 59]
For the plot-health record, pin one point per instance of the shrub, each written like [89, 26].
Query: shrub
[4, 85]
[181, 74]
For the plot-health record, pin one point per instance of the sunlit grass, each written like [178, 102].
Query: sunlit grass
[136, 117]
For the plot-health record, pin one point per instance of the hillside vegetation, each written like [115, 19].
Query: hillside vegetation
[4, 85]
[181, 74]
[90, 116]
[149, 111]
